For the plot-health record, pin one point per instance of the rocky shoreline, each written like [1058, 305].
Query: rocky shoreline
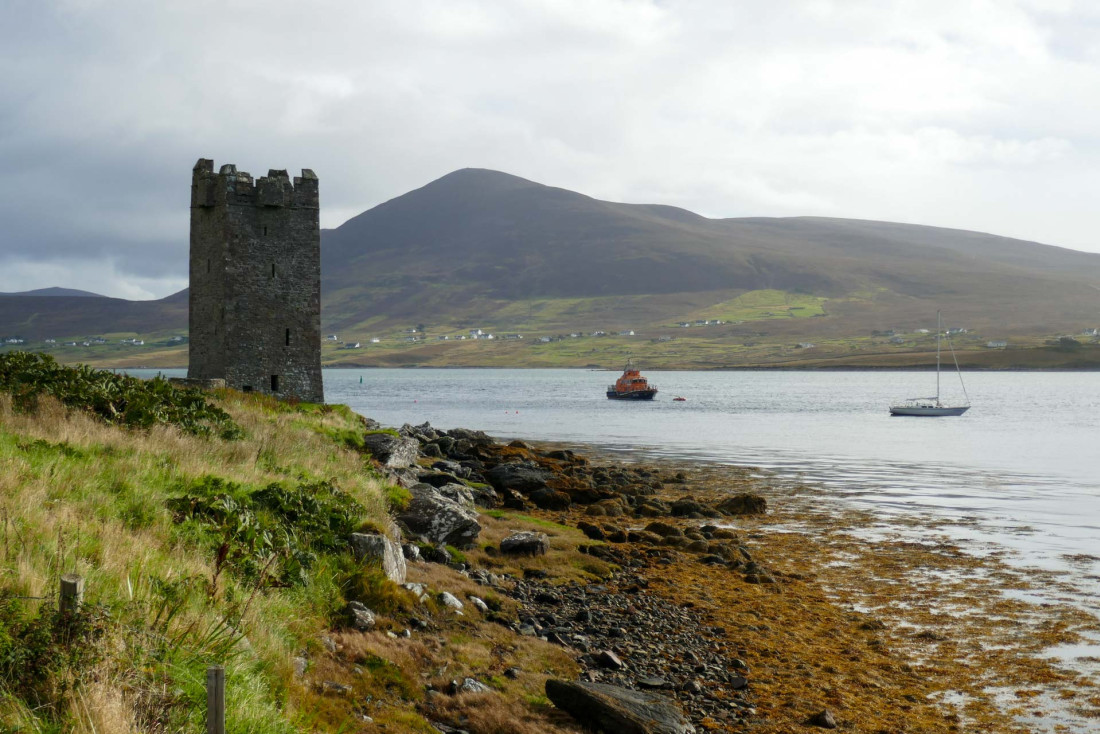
[688, 615]
[622, 637]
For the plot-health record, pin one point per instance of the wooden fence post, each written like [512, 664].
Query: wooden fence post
[72, 593]
[215, 700]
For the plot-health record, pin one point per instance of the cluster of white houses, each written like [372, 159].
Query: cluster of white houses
[90, 341]
[414, 335]
[704, 322]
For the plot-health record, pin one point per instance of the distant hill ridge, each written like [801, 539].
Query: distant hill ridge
[56, 292]
[459, 247]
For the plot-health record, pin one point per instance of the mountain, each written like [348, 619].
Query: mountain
[56, 292]
[467, 244]
[37, 315]
[484, 249]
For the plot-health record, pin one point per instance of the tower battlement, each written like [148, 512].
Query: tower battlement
[232, 187]
[255, 296]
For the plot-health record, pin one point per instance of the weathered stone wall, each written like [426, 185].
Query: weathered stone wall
[255, 294]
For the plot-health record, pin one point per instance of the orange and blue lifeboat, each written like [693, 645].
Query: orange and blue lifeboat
[631, 386]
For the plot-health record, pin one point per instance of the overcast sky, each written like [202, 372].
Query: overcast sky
[957, 113]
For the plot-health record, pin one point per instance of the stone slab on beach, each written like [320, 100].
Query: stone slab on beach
[616, 709]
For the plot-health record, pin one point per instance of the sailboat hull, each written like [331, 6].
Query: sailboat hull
[932, 407]
[930, 411]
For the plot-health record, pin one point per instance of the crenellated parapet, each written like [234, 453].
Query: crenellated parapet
[231, 187]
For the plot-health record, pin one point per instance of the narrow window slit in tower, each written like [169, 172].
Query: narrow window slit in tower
[288, 337]
[265, 231]
[272, 270]
[274, 383]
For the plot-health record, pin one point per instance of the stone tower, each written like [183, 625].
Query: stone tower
[255, 300]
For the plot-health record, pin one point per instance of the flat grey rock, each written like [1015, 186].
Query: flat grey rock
[525, 543]
[392, 452]
[620, 710]
[439, 519]
[362, 618]
[450, 600]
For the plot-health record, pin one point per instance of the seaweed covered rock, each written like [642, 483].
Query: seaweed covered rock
[520, 477]
[745, 503]
[550, 499]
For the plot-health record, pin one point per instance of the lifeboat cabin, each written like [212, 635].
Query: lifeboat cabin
[631, 386]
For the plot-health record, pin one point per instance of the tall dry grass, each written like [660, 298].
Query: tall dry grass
[80, 496]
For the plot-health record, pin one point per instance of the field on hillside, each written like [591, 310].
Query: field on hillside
[705, 330]
[687, 352]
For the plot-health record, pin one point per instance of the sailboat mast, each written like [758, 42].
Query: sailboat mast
[939, 330]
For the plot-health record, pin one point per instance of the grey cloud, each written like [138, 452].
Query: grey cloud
[962, 114]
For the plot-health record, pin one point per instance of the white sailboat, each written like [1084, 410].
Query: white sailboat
[933, 406]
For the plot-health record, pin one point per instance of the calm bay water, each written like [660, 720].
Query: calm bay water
[1028, 452]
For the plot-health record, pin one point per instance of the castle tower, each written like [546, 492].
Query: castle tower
[255, 300]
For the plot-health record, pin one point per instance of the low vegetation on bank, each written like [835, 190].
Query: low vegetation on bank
[235, 545]
[212, 528]
[209, 530]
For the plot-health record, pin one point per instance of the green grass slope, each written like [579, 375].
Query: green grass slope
[196, 549]
[212, 529]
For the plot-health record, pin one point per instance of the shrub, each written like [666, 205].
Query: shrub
[274, 532]
[370, 585]
[117, 399]
[42, 656]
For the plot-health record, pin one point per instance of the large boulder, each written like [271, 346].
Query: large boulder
[438, 518]
[525, 543]
[520, 477]
[392, 451]
[377, 548]
[620, 710]
[437, 478]
[460, 493]
[403, 477]
[550, 499]
[743, 504]
[477, 438]
[691, 507]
